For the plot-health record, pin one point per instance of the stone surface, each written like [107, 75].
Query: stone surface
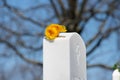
[116, 75]
[64, 58]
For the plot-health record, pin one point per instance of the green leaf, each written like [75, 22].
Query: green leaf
[115, 67]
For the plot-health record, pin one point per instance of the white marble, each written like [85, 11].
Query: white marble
[64, 58]
[116, 75]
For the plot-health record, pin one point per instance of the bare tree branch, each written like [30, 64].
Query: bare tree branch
[20, 14]
[22, 43]
[19, 54]
[38, 7]
[62, 7]
[92, 14]
[82, 10]
[118, 40]
[55, 10]
[97, 34]
[14, 32]
[67, 16]
[100, 65]
[72, 8]
[103, 36]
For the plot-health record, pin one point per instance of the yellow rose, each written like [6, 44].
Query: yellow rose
[63, 29]
[59, 28]
[52, 31]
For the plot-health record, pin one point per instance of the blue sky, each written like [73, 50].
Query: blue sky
[107, 53]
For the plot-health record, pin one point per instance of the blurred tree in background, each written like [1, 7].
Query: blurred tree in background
[22, 24]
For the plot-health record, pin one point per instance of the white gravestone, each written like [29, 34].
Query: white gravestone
[116, 75]
[64, 58]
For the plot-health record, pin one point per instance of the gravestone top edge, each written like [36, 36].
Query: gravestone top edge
[65, 36]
